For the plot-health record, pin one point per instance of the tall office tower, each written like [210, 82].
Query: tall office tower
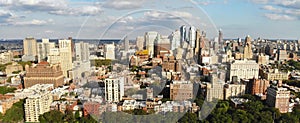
[220, 38]
[82, 51]
[183, 33]
[243, 69]
[181, 90]
[65, 53]
[114, 89]
[43, 73]
[38, 103]
[54, 57]
[248, 54]
[278, 97]
[215, 88]
[198, 42]
[150, 39]
[192, 37]
[175, 40]
[140, 42]
[43, 49]
[109, 51]
[126, 43]
[30, 49]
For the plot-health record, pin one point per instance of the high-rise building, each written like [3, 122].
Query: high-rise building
[150, 38]
[43, 73]
[65, 53]
[140, 42]
[234, 90]
[220, 38]
[183, 33]
[54, 56]
[114, 89]
[248, 54]
[198, 43]
[192, 37]
[282, 55]
[82, 51]
[38, 103]
[30, 49]
[278, 97]
[175, 40]
[43, 49]
[181, 90]
[243, 69]
[126, 44]
[162, 45]
[257, 86]
[214, 89]
[109, 51]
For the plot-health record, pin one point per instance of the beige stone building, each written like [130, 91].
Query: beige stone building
[13, 68]
[181, 90]
[243, 69]
[43, 73]
[234, 90]
[278, 97]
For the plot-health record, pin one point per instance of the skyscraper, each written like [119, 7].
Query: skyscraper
[140, 42]
[43, 49]
[175, 40]
[82, 51]
[183, 33]
[150, 39]
[30, 49]
[192, 37]
[126, 43]
[248, 54]
[109, 51]
[114, 89]
[220, 38]
[65, 50]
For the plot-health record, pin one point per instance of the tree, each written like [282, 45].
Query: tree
[15, 113]
[53, 116]
[5, 89]
[189, 118]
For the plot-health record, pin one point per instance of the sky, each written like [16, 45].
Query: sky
[98, 19]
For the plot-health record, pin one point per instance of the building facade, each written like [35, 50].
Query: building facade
[234, 90]
[278, 97]
[114, 89]
[181, 90]
[243, 69]
[65, 53]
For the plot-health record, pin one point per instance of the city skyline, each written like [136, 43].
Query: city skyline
[90, 19]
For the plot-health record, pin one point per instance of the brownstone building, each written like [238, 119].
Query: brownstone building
[257, 86]
[169, 63]
[181, 90]
[43, 73]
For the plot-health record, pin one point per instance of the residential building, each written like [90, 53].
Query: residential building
[65, 53]
[215, 89]
[150, 40]
[6, 57]
[54, 56]
[140, 42]
[43, 73]
[257, 86]
[181, 90]
[278, 97]
[14, 67]
[114, 89]
[234, 90]
[43, 49]
[274, 74]
[243, 69]
[30, 49]
[109, 51]
[38, 103]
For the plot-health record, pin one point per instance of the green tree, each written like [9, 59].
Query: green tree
[5, 89]
[15, 113]
[53, 116]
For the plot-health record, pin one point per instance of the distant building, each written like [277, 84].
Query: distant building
[192, 37]
[6, 102]
[278, 97]
[114, 89]
[150, 40]
[234, 90]
[214, 89]
[175, 40]
[243, 69]
[282, 55]
[14, 67]
[274, 74]
[91, 108]
[181, 90]
[263, 59]
[65, 53]
[140, 42]
[126, 44]
[43, 49]
[54, 56]
[248, 54]
[109, 51]
[150, 93]
[6, 57]
[170, 64]
[30, 49]
[38, 103]
[43, 73]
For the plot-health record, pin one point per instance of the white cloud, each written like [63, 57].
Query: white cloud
[260, 1]
[271, 8]
[84, 11]
[123, 4]
[280, 17]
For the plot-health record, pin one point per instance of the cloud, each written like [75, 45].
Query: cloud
[80, 11]
[260, 1]
[123, 4]
[271, 8]
[280, 17]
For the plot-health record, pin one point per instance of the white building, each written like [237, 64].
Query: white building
[43, 49]
[243, 69]
[38, 103]
[214, 90]
[192, 37]
[114, 89]
[54, 56]
[30, 49]
[150, 39]
[109, 51]
[175, 40]
[234, 90]
[65, 50]
[6, 57]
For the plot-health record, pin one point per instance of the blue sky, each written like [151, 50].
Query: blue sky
[118, 18]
